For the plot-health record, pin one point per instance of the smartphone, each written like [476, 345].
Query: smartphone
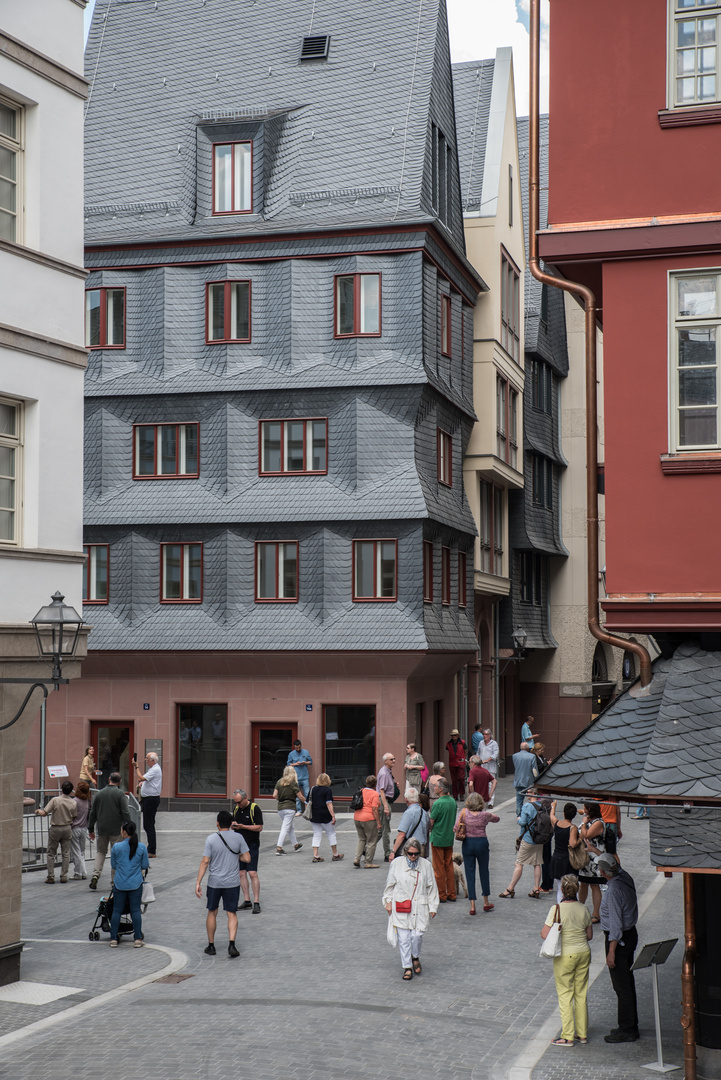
[135, 759]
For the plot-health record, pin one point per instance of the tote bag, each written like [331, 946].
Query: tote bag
[551, 946]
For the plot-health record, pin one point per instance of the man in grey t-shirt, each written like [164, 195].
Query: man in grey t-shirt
[220, 857]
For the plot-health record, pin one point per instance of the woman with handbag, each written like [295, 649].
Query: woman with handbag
[411, 900]
[471, 829]
[368, 824]
[592, 833]
[128, 858]
[566, 839]
[322, 816]
[570, 969]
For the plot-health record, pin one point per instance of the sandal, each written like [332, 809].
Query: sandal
[507, 894]
[561, 1042]
[535, 894]
[595, 919]
[316, 858]
[407, 974]
[581, 1041]
[416, 965]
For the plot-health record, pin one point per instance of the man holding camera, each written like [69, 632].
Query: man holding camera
[152, 782]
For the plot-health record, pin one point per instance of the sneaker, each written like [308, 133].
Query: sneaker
[279, 851]
[232, 951]
[256, 909]
[209, 949]
[621, 1036]
[63, 881]
[113, 944]
[93, 882]
[245, 906]
[138, 943]
[78, 877]
[297, 847]
[49, 880]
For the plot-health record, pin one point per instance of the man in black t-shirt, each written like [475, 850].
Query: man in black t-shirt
[248, 821]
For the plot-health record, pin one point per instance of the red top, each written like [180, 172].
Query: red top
[481, 779]
[456, 754]
[371, 799]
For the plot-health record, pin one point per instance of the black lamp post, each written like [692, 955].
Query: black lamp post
[519, 637]
[57, 629]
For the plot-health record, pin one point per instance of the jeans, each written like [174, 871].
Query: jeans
[443, 870]
[623, 981]
[78, 841]
[368, 835]
[475, 850]
[520, 796]
[409, 944]
[59, 834]
[305, 788]
[119, 898]
[327, 827]
[571, 975]
[287, 829]
[150, 809]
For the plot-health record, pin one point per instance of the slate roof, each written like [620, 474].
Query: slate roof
[686, 838]
[341, 142]
[658, 746]
[472, 87]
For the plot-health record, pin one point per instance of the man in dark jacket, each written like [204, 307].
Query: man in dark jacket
[619, 915]
[109, 810]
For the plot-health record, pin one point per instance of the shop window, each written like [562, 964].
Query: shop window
[350, 740]
[202, 750]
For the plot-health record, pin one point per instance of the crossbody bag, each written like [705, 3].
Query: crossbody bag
[404, 907]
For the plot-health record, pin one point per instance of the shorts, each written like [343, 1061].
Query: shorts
[230, 896]
[529, 854]
[254, 850]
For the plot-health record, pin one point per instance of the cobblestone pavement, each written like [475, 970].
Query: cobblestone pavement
[317, 992]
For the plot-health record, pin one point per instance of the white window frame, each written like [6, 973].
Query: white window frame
[17, 146]
[675, 322]
[679, 14]
[15, 443]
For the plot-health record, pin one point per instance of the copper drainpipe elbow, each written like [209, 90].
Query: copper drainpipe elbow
[589, 303]
[687, 979]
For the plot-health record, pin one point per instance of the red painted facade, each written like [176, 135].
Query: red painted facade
[623, 170]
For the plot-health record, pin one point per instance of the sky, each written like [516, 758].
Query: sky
[479, 27]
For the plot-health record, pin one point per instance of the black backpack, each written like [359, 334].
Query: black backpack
[541, 829]
[356, 802]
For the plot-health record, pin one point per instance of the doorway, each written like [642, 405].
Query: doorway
[114, 747]
[271, 745]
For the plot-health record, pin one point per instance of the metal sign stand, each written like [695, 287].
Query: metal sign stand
[651, 956]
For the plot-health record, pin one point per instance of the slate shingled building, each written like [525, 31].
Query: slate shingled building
[279, 392]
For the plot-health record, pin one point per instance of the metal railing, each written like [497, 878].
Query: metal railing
[35, 829]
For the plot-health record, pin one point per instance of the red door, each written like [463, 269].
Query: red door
[114, 744]
[271, 745]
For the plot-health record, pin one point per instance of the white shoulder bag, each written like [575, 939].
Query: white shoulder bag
[551, 946]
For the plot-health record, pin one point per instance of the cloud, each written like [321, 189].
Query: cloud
[479, 27]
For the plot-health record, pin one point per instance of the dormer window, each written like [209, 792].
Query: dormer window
[233, 178]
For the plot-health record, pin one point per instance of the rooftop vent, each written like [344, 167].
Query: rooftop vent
[315, 48]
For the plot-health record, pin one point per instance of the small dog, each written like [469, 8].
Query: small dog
[459, 876]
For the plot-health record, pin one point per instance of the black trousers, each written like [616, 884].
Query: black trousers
[623, 981]
[150, 809]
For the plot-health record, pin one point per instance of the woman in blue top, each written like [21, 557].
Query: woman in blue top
[128, 859]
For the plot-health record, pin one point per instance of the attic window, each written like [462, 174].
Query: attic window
[315, 48]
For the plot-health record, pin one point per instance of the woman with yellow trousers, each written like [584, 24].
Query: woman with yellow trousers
[570, 969]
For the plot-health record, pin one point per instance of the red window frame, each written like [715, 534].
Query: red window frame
[446, 326]
[375, 599]
[277, 599]
[292, 472]
[182, 543]
[490, 550]
[445, 576]
[103, 290]
[510, 306]
[165, 476]
[233, 142]
[226, 311]
[356, 304]
[427, 572]
[462, 582]
[86, 573]
[506, 421]
[444, 451]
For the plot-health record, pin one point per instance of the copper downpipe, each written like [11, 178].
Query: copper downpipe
[687, 980]
[589, 303]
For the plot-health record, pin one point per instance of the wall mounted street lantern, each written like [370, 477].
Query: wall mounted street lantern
[519, 637]
[57, 629]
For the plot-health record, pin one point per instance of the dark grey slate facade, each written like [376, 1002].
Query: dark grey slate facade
[344, 153]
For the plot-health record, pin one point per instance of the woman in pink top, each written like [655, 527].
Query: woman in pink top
[475, 849]
[368, 825]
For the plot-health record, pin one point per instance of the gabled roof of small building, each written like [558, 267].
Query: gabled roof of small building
[346, 139]
[661, 745]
